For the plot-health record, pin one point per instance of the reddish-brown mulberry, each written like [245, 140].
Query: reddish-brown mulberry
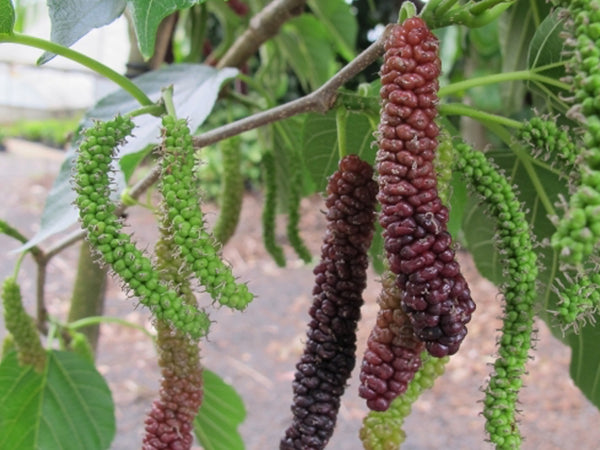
[340, 278]
[434, 293]
[393, 353]
[169, 424]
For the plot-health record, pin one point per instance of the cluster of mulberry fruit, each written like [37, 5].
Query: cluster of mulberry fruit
[198, 248]
[419, 247]
[340, 278]
[393, 353]
[579, 230]
[97, 215]
[515, 243]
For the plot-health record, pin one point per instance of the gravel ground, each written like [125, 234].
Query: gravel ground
[256, 351]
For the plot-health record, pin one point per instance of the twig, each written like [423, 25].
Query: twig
[262, 27]
[319, 101]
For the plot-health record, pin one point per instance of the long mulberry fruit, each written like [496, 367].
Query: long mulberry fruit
[514, 241]
[22, 327]
[419, 247]
[393, 353]
[340, 278]
[169, 424]
[198, 248]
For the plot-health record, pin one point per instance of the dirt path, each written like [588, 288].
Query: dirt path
[256, 351]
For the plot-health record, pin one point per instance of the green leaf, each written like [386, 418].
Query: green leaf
[320, 145]
[72, 20]
[340, 23]
[517, 28]
[286, 139]
[69, 406]
[585, 362]
[304, 43]
[222, 411]
[147, 15]
[7, 17]
[547, 58]
[195, 91]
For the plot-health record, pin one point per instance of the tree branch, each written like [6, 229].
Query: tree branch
[262, 27]
[319, 101]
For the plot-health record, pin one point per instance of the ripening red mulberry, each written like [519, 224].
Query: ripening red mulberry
[169, 424]
[340, 278]
[393, 353]
[419, 248]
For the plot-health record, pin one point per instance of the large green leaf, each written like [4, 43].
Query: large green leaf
[195, 91]
[547, 58]
[222, 411]
[340, 23]
[147, 15]
[517, 27]
[585, 362]
[304, 43]
[320, 144]
[68, 406]
[72, 20]
[538, 185]
[7, 16]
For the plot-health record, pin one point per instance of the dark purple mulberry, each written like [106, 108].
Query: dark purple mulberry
[393, 353]
[434, 293]
[340, 278]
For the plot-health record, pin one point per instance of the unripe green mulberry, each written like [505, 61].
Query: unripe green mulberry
[418, 245]
[393, 353]
[294, 198]
[578, 232]
[383, 430]
[104, 229]
[232, 190]
[515, 243]
[340, 278]
[270, 209]
[22, 327]
[549, 141]
[198, 249]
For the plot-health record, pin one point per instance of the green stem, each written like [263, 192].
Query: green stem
[524, 158]
[550, 66]
[154, 110]
[340, 123]
[82, 59]
[483, 5]
[167, 96]
[522, 75]
[459, 109]
[444, 7]
[96, 320]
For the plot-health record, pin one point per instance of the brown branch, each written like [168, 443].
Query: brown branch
[262, 27]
